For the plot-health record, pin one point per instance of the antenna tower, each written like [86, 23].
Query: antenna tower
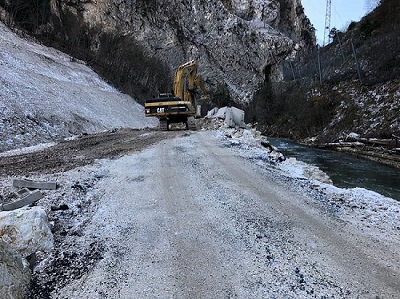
[327, 22]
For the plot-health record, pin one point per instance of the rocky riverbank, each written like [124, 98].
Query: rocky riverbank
[385, 151]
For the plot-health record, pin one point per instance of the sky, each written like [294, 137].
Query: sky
[342, 13]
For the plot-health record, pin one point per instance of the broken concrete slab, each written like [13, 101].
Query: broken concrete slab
[28, 199]
[20, 183]
[22, 192]
[211, 113]
[238, 117]
[232, 116]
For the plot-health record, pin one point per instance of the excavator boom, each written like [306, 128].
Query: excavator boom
[180, 106]
[184, 81]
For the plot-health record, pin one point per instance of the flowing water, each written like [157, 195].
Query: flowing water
[346, 171]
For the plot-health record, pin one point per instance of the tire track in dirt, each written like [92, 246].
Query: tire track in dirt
[82, 151]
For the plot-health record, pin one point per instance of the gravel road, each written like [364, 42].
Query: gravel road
[189, 218]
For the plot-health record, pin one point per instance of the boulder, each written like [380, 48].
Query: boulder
[27, 230]
[15, 274]
[232, 116]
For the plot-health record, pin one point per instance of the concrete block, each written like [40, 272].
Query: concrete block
[229, 117]
[34, 184]
[27, 200]
[238, 117]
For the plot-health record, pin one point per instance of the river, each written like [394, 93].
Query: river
[346, 171]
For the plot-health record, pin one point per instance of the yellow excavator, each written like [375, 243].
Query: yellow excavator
[180, 106]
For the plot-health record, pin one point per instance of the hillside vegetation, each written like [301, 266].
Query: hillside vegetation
[350, 85]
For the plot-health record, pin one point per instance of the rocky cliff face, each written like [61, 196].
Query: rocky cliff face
[237, 43]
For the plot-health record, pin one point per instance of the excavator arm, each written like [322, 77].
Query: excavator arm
[179, 106]
[199, 82]
[184, 81]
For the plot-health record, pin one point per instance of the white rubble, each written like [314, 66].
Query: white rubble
[232, 116]
[250, 142]
[258, 147]
[47, 96]
[27, 230]
[299, 169]
[353, 136]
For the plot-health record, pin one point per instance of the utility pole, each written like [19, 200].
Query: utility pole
[359, 73]
[327, 22]
[319, 67]
[341, 48]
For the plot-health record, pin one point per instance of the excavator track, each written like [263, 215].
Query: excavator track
[163, 125]
[191, 123]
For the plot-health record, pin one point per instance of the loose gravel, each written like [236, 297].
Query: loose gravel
[190, 216]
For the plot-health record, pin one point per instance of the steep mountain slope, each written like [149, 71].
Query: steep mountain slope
[350, 85]
[45, 96]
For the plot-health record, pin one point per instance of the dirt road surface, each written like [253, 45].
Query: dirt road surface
[81, 151]
[186, 217]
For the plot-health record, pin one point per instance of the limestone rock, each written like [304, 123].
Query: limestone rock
[15, 274]
[237, 43]
[27, 230]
